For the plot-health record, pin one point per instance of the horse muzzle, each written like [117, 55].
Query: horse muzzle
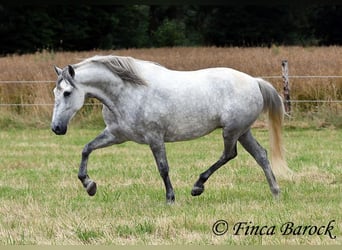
[58, 129]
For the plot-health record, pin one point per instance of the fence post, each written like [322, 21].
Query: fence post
[286, 92]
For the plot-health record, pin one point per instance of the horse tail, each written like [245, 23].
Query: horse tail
[274, 105]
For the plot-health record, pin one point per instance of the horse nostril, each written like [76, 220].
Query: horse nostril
[58, 130]
[55, 129]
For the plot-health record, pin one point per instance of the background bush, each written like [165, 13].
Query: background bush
[31, 28]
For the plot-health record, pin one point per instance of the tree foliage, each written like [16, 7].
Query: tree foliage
[25, 29]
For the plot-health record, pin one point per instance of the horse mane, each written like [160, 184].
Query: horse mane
[123, 67]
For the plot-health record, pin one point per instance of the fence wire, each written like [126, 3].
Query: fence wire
[41, 104]
[265, 77]
[97, 104]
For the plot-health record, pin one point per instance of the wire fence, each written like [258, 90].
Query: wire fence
[280, 77]
[24, 81]
[40, 104]
[96, 104]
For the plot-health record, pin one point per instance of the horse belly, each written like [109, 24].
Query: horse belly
[184, 134]
[187, 127]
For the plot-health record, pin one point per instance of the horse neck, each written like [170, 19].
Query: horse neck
[100, 83]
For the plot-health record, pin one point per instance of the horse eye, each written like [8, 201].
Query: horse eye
[66, 93]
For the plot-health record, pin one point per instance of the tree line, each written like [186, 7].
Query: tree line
[26, 29]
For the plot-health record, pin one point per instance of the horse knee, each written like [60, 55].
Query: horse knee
[229, 156]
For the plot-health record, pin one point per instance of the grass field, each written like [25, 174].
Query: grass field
[42, 201]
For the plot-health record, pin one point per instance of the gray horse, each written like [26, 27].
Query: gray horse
[147, 103]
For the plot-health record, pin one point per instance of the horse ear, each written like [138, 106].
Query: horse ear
[58, 70]
[71, 71]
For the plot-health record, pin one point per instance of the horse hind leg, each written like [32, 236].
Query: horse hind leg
[260, 155]
[229, 153]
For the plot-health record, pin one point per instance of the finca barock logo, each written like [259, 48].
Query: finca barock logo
[221, 227]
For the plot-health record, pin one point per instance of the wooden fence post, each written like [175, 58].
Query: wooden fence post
[286, 92]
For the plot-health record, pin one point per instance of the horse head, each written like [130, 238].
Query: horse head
[68, 99]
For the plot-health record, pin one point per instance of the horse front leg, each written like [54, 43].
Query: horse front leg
[159, 154]
[104, 139]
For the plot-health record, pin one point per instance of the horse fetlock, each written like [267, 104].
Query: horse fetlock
[170, 198]
[276, 192]
[82, 177]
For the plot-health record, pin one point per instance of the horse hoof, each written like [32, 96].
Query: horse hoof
[197, 191]
[91, 188]
[276, 194]
[170, 202]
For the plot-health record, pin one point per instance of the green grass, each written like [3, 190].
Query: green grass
[43, 202]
